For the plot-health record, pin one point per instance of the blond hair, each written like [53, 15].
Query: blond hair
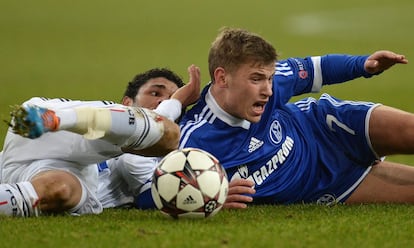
[234, 47]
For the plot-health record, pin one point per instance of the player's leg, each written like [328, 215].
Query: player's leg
[391, 131]
[58, 191]
[387, 182]
[18, 199]
[137, 130]
[166, 143]
[52, 191]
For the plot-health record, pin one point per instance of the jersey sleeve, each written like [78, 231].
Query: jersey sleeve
[338, 68]
[296, 76]
[170, 108]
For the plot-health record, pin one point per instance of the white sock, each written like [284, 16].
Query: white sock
[130, 127]
[113, 125]
[67, 118]
[19, 199]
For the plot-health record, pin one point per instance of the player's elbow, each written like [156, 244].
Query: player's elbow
[171, 137]
[169, 141]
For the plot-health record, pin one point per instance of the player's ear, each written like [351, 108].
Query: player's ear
[220, 77]
[127, 101]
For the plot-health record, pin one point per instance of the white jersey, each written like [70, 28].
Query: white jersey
[123, 178]
[23, 158]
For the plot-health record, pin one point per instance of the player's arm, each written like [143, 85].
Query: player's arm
[337, 68]
[296, 76]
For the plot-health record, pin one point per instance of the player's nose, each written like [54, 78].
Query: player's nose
[267, 89]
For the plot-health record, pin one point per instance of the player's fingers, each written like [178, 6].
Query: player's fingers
[190, 70]
[237, 201]
[402, 59]
[239, 198]
[197, 79]
[241, 190]
[194, 74]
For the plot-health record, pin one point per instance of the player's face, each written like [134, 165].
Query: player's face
[153, 92]
[249, 89]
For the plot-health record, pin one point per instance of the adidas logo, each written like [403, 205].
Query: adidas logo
[254, 144]
[189, 200]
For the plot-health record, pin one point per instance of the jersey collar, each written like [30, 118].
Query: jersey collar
[223, 115]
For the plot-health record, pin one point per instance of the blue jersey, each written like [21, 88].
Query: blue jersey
[308, 151]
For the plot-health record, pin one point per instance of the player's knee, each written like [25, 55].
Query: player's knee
[58, 191]
[62, 193]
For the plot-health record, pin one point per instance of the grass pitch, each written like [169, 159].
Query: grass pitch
[90, 49]
[259, 226]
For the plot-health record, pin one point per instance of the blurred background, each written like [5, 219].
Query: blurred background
[89, 50]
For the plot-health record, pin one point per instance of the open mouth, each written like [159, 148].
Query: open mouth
[259, 107]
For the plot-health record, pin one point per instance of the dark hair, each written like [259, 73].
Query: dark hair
[140, 79]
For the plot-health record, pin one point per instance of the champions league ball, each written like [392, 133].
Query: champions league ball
[189, 183]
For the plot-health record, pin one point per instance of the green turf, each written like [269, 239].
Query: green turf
[91, 49]
[260, 226]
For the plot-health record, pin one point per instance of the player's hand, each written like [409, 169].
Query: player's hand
[382, 60]
[189, 93]
[239, 193]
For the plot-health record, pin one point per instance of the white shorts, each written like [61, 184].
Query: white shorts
[24, 158]
[87, 176]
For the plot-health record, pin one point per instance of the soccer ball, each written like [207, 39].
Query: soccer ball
[189, 183]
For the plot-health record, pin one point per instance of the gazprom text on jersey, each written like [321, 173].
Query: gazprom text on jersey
[278, 159]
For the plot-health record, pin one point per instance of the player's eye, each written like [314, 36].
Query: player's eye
[154, 93]
[257, 79]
